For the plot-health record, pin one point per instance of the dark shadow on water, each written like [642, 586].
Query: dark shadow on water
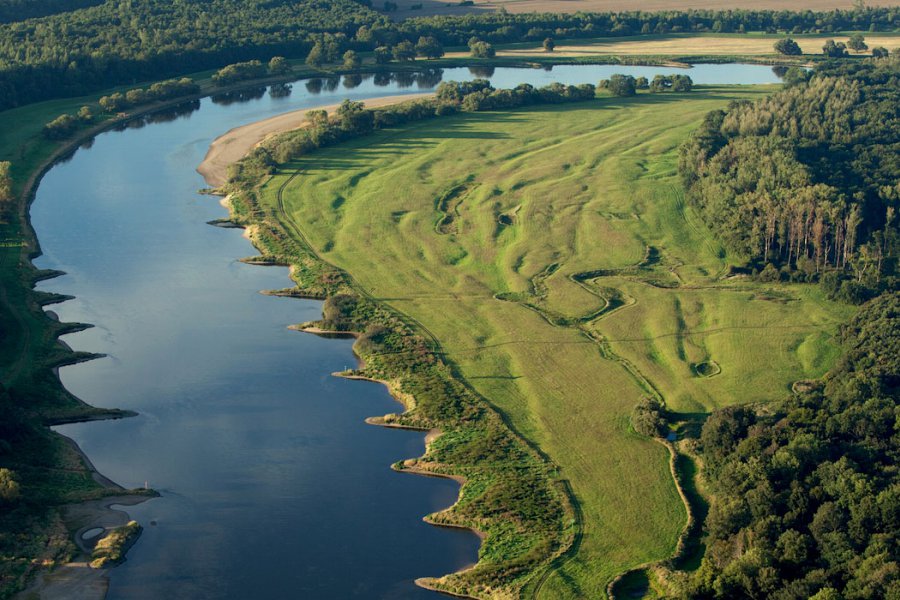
[484, 72]
[353, 80]
[694, 548]
[245, 95]
[280, 90]
[330, 84]
[314, 86]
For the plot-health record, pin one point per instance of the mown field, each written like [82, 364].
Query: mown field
[551, 253]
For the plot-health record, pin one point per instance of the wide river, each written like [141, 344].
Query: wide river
[272, 485]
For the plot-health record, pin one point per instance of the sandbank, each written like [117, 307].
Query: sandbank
[234, 145]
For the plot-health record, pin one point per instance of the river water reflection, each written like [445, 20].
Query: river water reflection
[272, 486]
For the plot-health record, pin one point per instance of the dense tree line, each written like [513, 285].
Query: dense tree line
[352, 119]
[133, 40]
[124, 41]
[806, 498]
[20, 10]
[6, 194]
[251, 69]
[627, 85]
[806, 179]
[501, 28]
[161, 90]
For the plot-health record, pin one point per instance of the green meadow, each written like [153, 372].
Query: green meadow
[551, 252]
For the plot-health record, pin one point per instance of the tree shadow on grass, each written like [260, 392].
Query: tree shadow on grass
[419, 135]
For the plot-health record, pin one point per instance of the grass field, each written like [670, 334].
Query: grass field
[551, 253]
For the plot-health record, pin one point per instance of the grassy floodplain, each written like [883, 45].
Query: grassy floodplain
[550, 251]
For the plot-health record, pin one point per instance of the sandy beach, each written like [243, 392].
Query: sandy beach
[76, 580]
[233, 145]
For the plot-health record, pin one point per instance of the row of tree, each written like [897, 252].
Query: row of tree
[252, 69]
[352, 119]
[832, 49]
[806, 178]
[161, 90]
[627, 85]
[329, 50]
[65, 125]
[504, 28]
[118, 43]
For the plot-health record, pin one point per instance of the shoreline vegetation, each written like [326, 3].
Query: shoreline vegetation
[477, 447]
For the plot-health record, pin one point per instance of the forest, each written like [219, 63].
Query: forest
[128, 41]
[20, 10]
[804, 183]
[499, 27]
[806, 497]
[804, 494]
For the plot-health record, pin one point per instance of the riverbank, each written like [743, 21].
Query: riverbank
[503, 473]
[76, 579]
[390, 421]
[31, 357]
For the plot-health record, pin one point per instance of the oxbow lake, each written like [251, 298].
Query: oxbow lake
[272, 485]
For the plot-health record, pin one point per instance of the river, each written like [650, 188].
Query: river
[271, 484]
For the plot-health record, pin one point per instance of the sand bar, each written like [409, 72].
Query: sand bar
[233, 145]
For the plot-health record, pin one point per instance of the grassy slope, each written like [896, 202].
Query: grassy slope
[585, 187]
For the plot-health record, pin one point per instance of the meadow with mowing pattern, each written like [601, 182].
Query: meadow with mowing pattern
[551, 253]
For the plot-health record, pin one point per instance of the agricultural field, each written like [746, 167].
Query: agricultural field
[684, 45]
[551, 253]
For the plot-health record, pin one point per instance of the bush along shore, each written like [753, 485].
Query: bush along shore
[511, 493]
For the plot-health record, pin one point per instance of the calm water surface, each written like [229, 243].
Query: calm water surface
[272, 486]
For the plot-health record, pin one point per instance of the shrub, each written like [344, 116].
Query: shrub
[60, 127]
[480, 49]
[788, 47]
[649, 418]
[622, 85]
